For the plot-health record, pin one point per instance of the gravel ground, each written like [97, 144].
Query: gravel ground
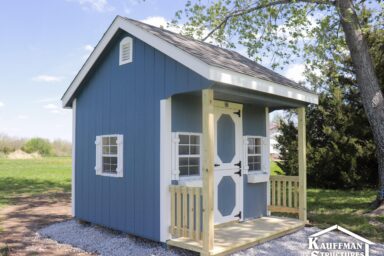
[103, 241]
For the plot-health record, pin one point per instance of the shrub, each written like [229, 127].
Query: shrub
[42, 146]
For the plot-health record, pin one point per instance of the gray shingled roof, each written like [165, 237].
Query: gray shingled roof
[219, 57]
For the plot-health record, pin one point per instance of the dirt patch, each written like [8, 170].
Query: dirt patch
[20, 222]
[19, 154]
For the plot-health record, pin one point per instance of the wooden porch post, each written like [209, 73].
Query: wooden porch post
[208, 159]
[302, 165]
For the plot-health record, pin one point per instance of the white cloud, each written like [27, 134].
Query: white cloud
[88, 48]
[51, 106]
[1, 104]
[22, 117]
[295, 72]
[46, 100]
[159, 21]
[96, 5]
[54, 109]
[47, 78]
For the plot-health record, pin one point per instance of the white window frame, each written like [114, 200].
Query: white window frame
[99, 155]
[263, 153]
[124, 41]
[175, 156]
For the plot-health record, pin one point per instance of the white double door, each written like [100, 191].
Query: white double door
[228, 176]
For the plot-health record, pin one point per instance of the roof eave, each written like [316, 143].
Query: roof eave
[212, 73]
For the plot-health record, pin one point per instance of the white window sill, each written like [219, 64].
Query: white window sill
[258, 177]
[116, 175]
[191, 182]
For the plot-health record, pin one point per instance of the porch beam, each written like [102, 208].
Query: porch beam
[302, 164]
[208, 162]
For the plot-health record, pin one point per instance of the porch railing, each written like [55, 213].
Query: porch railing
[284, 194]
[186, 212]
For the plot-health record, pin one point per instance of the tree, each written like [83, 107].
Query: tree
[42, 146]
[312, 29]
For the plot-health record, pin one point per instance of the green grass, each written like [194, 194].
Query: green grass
[325, 207]
[33, 176]
[347, 209]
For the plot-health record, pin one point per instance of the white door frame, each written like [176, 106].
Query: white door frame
[229, 169]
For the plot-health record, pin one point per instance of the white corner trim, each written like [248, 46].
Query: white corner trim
[267, 134]
[73, 189]
[211, 73]
[165, 167]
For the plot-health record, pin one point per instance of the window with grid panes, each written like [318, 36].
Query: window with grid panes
[189, 154]
[254, 154]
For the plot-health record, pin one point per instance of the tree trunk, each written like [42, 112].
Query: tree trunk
[380, 160]
[371, 94]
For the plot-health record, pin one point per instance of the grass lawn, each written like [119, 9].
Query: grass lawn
[347, 209]
[33, 176]
[325, 207]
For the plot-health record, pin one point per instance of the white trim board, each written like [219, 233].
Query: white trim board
[73, 190]
[165, 167]
[212, 73]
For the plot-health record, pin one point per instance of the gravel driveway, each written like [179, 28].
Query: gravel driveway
[106, 242]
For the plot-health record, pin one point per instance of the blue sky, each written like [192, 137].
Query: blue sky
[42, 47]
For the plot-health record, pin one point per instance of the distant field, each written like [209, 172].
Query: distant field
[33, 176]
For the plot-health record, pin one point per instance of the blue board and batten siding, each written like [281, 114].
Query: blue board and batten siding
[125, 100]
[255, 194]
[187, 116]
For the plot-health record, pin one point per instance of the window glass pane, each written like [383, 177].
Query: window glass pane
[194, 140]
[257, 167]
[113, 160]
[194, 170]
[251, 149]
[257, 159]
[106, 160]
[257, 150]
[105, 167]
[194, 161]
[183, 161]
[105, 149]
[183, 171]
[183, 150]
[113, 150]
[184, 139]
[257, 141]
[113, 167]
[251, 141]
[113, 140]
[194, 150]
[105, 140]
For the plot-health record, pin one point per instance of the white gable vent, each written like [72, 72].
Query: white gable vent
[125, 51]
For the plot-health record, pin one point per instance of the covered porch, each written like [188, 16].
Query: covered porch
[193, 206]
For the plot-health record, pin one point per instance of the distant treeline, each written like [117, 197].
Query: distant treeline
[42, 146]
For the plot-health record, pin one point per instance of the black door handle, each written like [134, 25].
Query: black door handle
[216, 165]
[238, 172]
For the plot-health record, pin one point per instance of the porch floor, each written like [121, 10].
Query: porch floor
[237, 236]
